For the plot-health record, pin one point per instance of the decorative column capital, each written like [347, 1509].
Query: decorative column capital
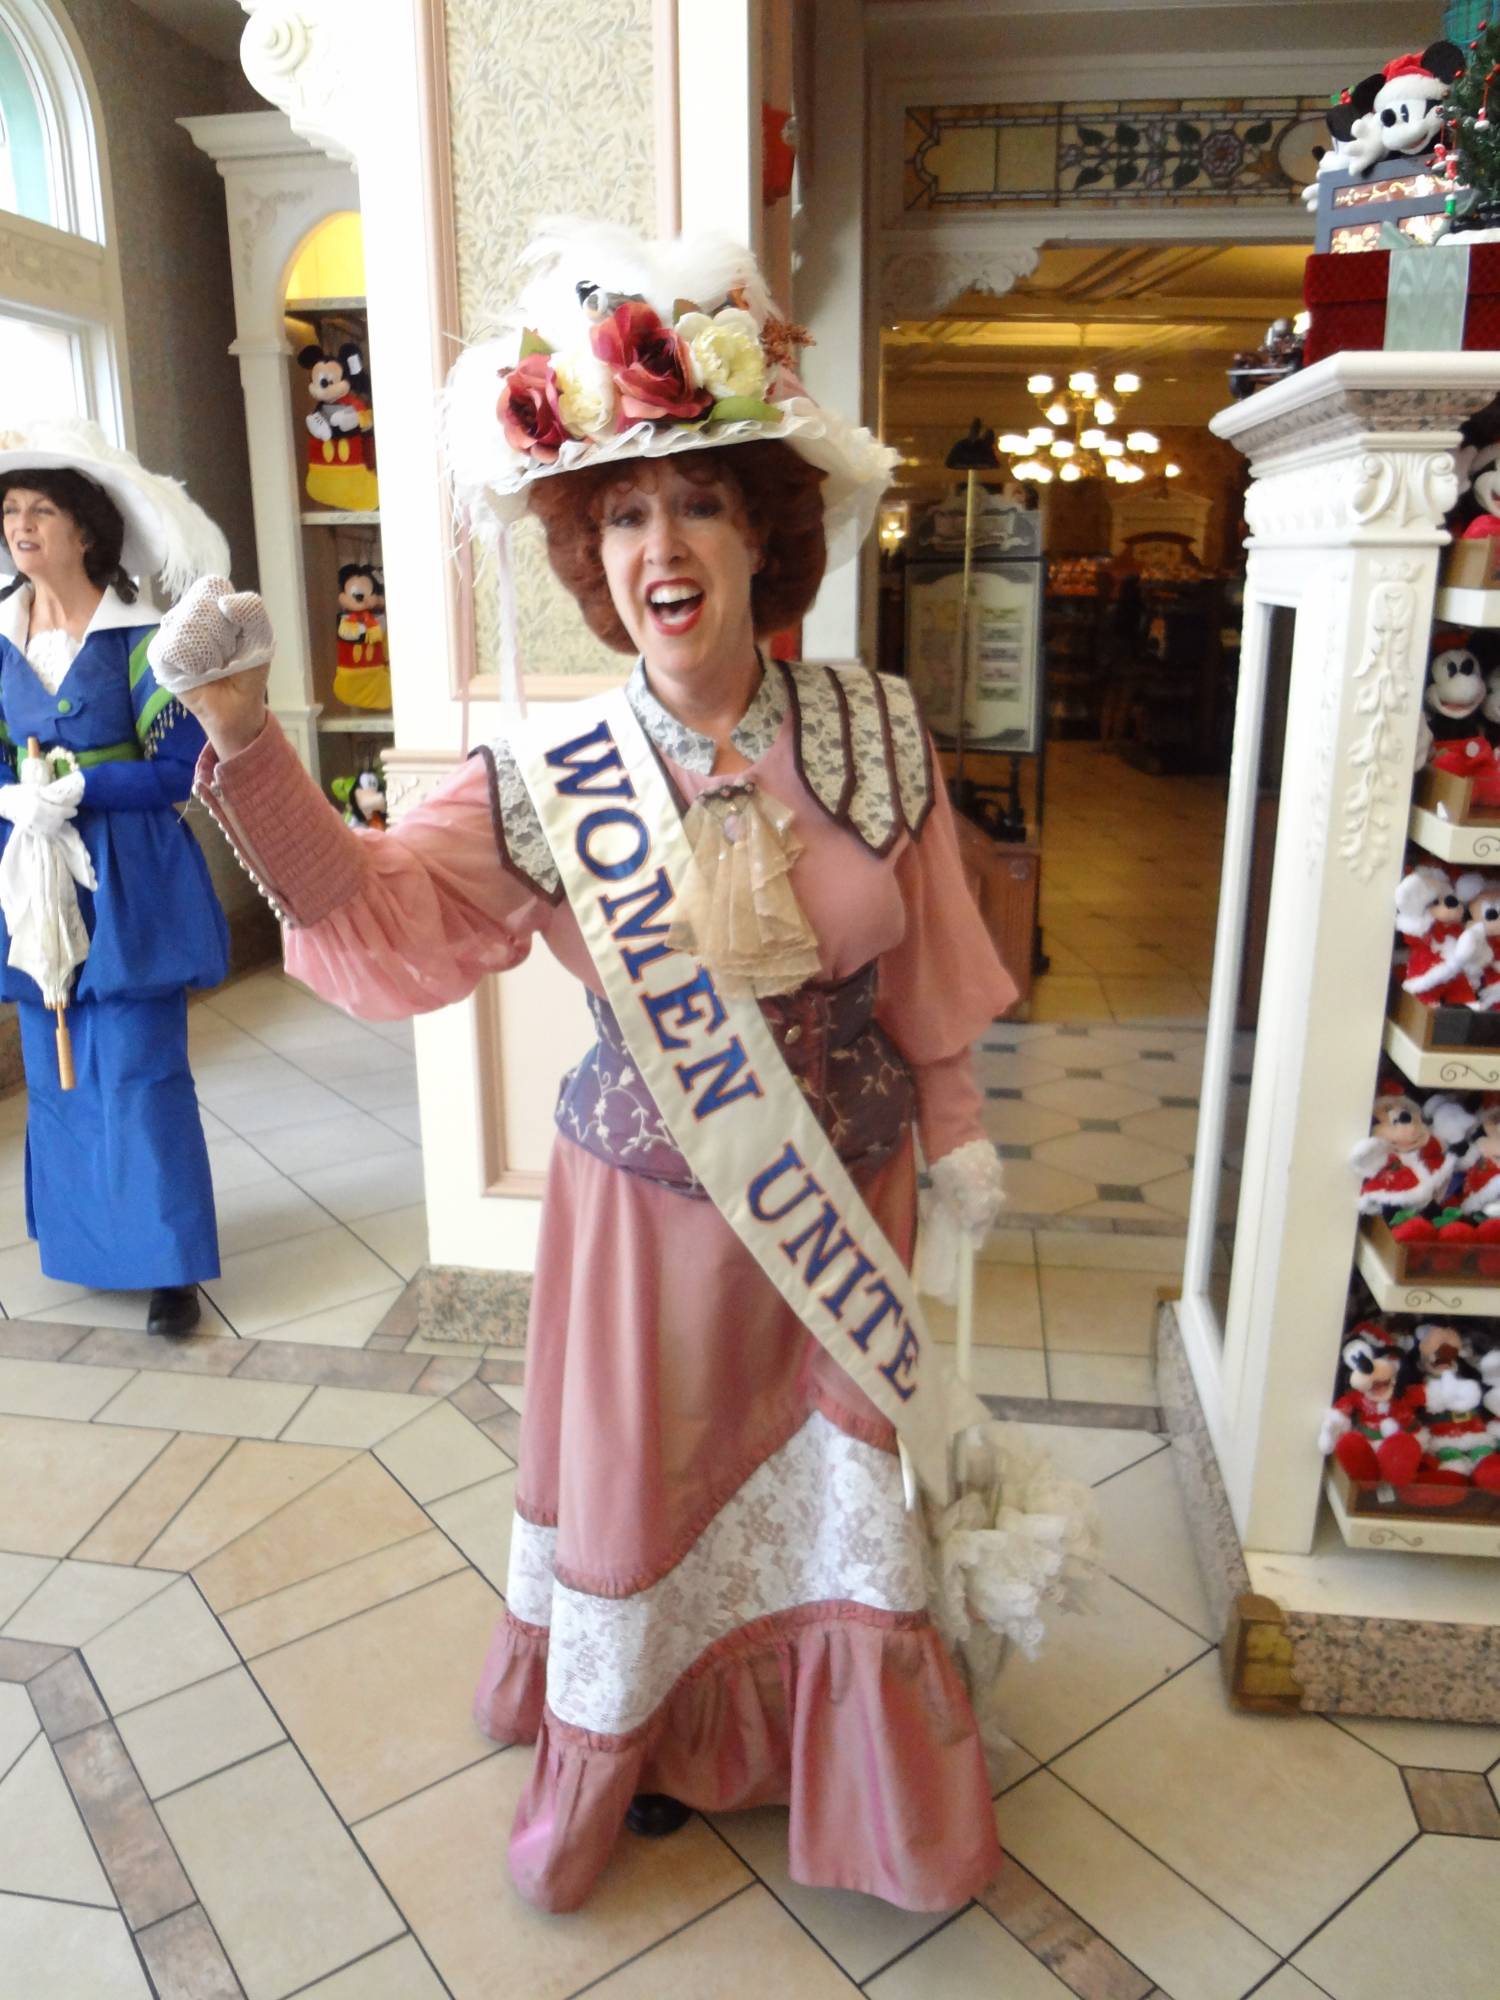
[299, 55]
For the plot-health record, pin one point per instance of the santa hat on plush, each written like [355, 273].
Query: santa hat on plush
[1417, 893]
[1411, 76]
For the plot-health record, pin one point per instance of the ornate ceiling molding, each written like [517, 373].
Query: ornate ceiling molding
[301, 56]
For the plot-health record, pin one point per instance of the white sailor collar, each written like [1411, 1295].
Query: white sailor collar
[752, 735]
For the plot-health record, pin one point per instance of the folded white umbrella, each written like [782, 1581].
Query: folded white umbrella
[39, 878]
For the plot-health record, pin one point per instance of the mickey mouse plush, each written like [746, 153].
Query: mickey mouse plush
[362, 677]
[1409, 103]
[1371, 1428]
[1357, 134]
[341, 443]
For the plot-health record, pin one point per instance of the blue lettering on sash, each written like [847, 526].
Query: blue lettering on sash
[822, 1254]
[902, 1361]
[612, 871]
[889, 1304]
[838, 1298]
[695, 1001]
[582, 773]
[728, 1062]
[656, 896]
[787, 1161]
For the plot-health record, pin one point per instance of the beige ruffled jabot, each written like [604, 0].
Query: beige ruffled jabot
[737, 912]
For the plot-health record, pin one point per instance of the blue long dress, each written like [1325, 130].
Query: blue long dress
[118, 1193]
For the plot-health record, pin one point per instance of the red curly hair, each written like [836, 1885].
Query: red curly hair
[781, 498]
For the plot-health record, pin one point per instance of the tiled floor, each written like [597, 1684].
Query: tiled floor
[236, 1756]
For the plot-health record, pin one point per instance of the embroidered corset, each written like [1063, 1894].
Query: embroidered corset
[847, 1068]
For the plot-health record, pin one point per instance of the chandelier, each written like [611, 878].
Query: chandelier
[1076, 441]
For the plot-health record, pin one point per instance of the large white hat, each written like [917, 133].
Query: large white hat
[167, 535]
[618, 348]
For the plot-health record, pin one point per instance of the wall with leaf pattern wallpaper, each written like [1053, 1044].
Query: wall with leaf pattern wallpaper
[551, 112]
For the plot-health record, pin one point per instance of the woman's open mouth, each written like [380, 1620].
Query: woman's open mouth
[674, 607]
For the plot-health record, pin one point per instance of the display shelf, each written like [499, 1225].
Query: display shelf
[340, 517]
[313, 307]
[1457, 605]
[1447, 841]
[374, 723]
[1455, 1069]
[1429, 1531]
[1423, 1295]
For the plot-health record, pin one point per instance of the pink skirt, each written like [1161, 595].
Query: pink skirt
[715, 1589]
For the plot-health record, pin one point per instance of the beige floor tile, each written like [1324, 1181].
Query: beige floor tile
[254, 1481]
[380, 1704]
[1099, 1312]
[396, 1972]
[970, 1959]
[440, 1453]
[45, 1849]
[235, 1163]
[355, 1417]
[1153, 999]
[348, 1325]
[1005, 1371]
[354, 1586]
[1361, 1955]
[57, 1479]
[361, 1187]
[126, 1311]
[80, 1599]
[1147, 1545]
[1151, 1916]
[1093, 1250]
[299, 1148]
[1108, 1157]
[1018, 1121]
[171, 1642]
[12, 1214]
[1007, 1310]
[861, 1932]
[424, 1851]
[399, 1236]
[223, 1408]
[282, 1881]
[1000, 1071]
[19, 1577]
[358, 1510]
[329, 1267]
[1173, 1129]
[53, 1389]
[1277, 1819]
[139, 1516]
[1173, 1192]
[1162, 1223]
[1435, 1746]
[1289, 1984]
[383, 1091]
[360, 1053]
[300, 1102]
[708, 1960]
[1091, 1097]
[1100, 1378]
[1178, 1078]
[1008, 1246]
[18, 1723]
[57, 1948]
[1065, 996]
[200, 1729]
[265, 1212]
[22, 1286]
[1034, 1188]
[1093, 1663]
[405, 1120]
[479, 1521]
[1079, 1451]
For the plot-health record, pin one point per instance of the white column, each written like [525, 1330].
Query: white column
[718, 116]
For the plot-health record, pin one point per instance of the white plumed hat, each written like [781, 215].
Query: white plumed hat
[167, 535]
[618, 348]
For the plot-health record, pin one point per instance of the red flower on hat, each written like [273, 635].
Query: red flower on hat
[649, 363]
[528, 409]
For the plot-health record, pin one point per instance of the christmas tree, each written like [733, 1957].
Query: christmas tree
[1471, 155]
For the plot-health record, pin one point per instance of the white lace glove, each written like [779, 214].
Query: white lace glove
[39, 804]
[213, 632]
[964, 1199]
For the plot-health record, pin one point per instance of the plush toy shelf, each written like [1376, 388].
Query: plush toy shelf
[1468, 606]
[340, 517]
[1387, 1268]
[1470, 1527]
[1452, 1068]
[1448, 840]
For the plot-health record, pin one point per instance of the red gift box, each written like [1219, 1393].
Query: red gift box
[1345, 296]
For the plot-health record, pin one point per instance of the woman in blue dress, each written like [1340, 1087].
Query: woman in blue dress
[118, 1194]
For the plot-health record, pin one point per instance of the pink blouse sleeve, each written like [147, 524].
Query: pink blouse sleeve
[382, 924]
[942, 985]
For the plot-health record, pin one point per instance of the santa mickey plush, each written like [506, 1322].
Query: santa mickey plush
[1405, 1166]
[1372, 1427]
[1356, 133]
[1461, 1438]
[1410, 101]
[1445, 952]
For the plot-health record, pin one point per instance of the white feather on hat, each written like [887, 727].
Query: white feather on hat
[167, 534]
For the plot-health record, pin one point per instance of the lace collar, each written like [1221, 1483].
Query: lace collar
[753, 734]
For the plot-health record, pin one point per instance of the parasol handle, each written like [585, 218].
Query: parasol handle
[66, 1078]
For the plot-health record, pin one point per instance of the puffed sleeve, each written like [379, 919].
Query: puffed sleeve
[942, 985]
[382, 924]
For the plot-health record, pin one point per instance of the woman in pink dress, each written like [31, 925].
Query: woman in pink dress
[716, 1595]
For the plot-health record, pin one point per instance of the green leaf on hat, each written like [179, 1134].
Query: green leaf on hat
[533, 343]
[744, 410]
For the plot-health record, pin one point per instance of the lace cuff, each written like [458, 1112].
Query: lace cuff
[290, 841]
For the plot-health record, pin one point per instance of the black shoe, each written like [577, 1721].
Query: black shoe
[174, 1309]
[655, 1815]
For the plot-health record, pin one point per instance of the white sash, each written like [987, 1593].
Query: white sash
[720, 1082]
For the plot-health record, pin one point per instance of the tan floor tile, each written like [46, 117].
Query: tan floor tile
[1437, 1746]
[199, 1403]
[140, 1515]
[708, 1960]
[19, 1577]
[380, 1704]
[172, 1641]
[1294, 1817]
[1171, 999]
[1176, 1131]
[440, 1453]
[1034, 1188]
[1147, 1545]
[23, 1288]
[1104, 1157]
[1099, 1312]
[1007, 1311]
[282, 1881]
[1092, 1249]
[970, 1959]
[18, 1723]
[479, 1520]
[80, 1599]
[1179, 1078]
[185, 1959]
[1004, 1371]
[1091, 1097]
[1454, 1802]
[1289, 1984]
[396, 1972]
[367, 1187]
[57, 1948]
[1100, 1378]
[997, 1070]
[1080, 1451]
[360, 1509]
[1008, 1246]
[326, 1268]
[424, 1850]
[1093, 1663]
[200, 1729]
[861, 1932]
[53, 1389]
[356, 1417]
[399, 1236]
[45, 1849]
[1162, 1223]
[57, 1479]
[253, 1482]
[1151, 1916]
[348, 1325]
[1064, 996]
[1361, 1955]
[353, 1587]
[263, 1213]
[1018, 1121]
